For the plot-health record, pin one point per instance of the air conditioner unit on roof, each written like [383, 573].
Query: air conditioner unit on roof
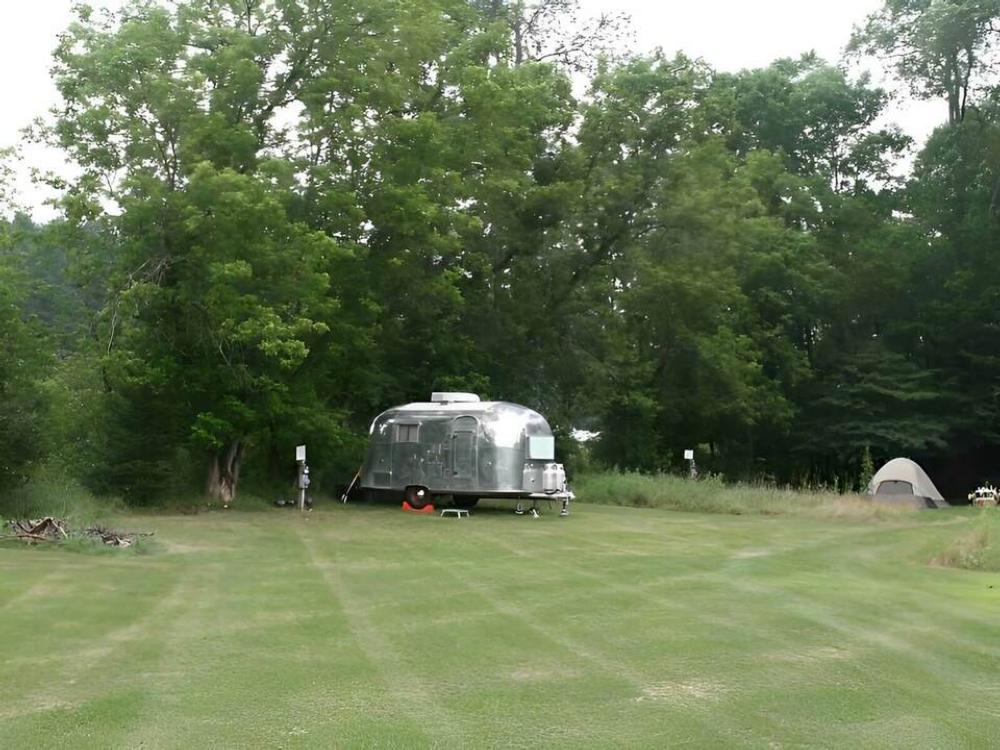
[447, 397]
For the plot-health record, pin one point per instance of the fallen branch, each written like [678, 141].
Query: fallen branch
[115, 538]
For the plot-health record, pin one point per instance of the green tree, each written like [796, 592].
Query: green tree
[940, 48]
[23, 358]
[866, 470]
[954, 204]
[816, 117]
[219, 294]
[323, 209]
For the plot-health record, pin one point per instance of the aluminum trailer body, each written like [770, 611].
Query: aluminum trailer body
[459, 446]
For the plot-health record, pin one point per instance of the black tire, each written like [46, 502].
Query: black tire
[417, 501]
[465, 503]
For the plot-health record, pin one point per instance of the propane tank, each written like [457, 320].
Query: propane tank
[553, 478]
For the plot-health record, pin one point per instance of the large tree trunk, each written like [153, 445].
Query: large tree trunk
[224, 473]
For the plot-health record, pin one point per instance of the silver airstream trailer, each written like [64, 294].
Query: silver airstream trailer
[456, 445]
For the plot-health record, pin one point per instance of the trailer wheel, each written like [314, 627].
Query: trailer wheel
[417, 497]
[466, 503]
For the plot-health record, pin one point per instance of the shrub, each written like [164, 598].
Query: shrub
[50, 493]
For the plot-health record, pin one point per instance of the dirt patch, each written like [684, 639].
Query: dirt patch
[540, 674]
[40, 706]
[747, 554]
[819, 654]
[693, 690]
[49, 585]
[829, 652]
[181, 548]
[368, 563]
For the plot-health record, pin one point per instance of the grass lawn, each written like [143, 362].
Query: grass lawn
[365, 626]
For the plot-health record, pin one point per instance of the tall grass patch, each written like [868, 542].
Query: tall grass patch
[712, 495]
[976, 549]
[52, 494]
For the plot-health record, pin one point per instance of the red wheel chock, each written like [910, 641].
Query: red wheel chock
[426, 509]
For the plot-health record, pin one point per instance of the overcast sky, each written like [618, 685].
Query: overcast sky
[728, 34]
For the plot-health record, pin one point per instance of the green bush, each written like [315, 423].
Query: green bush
[712, 495]
[50, 493]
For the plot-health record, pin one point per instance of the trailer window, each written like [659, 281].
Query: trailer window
[407, 433]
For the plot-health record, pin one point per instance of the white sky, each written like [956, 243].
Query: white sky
[728, 34]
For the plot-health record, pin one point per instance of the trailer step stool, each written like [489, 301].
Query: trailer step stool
[457, 512]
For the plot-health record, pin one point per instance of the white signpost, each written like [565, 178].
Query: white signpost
[689, 456]
[300, 458]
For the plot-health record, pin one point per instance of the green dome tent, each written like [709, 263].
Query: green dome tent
[903, 482]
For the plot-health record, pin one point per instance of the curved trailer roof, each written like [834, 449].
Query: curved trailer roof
[472, 407]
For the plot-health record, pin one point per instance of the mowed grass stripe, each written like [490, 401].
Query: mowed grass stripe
[109, 636]
[15, 589]
[368, 627]
[668, 673]
[282, 672]
[411, 695]
[476, 659]
[573, 665]
[827, 627]
[906, 655]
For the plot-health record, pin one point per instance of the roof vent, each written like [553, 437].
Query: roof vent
[448, 397]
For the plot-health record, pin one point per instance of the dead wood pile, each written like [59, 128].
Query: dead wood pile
[115, 538]
[51, 529]
[46, 529]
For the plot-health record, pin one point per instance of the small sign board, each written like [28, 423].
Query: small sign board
[543, 448]
[689, 455]
[300, 453]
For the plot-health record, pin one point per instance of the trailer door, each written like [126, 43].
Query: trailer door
[464, 448]
[406, 452]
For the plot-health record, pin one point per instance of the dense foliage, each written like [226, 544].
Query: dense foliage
[288, 215]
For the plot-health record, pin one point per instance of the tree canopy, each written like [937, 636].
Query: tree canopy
[288, 215]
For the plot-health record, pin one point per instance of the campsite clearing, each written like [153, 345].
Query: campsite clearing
[364, 626]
